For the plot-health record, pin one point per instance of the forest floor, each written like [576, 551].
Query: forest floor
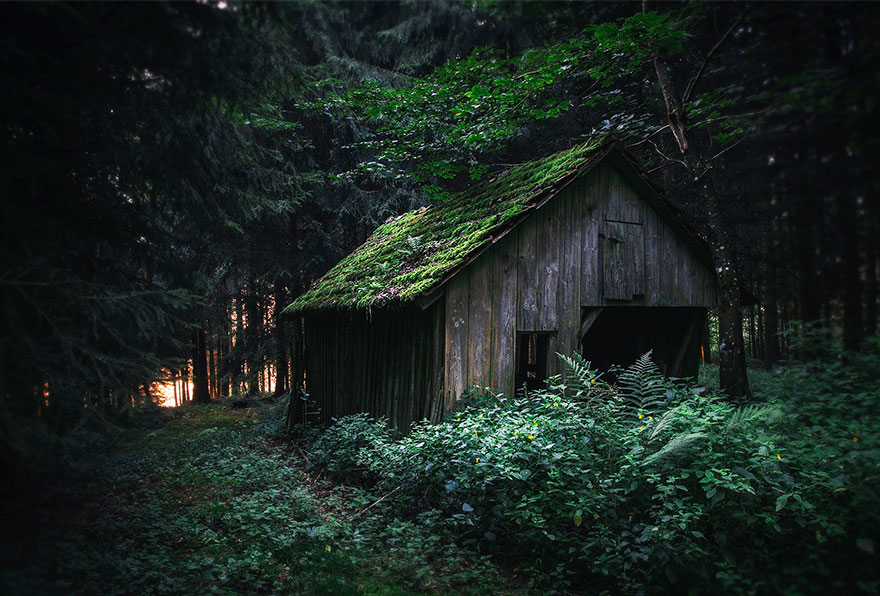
[222, 500]
[208, 500]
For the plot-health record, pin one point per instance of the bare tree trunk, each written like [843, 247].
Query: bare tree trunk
[873, 259]
[212, 368]
[731, 351]
[707, 343]
[201, 394]
[759, 335]
[852, 290]
[295, 411]
[805, 250]
[236, 368]
[252, 333]
[281, 374]
[223, 364]
[732, 363]
[753, 347]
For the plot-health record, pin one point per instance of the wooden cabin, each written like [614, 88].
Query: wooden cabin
[574, 252]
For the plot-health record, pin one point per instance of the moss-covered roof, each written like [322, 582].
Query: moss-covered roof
[412, 254]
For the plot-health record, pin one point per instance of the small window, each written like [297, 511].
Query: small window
[531, 359]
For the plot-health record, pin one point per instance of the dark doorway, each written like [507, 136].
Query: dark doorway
[620, 334]
[531, 359]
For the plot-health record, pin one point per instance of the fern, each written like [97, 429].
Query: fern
[578, 376]
[746, 414]
[664, 422]
[675, 446]
[643, 387]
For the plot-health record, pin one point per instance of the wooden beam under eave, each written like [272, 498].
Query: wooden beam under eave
[427, 300]
[587, 322]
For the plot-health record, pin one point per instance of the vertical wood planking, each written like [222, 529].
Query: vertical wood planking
[527, 283]
[667, 278]
[479, 321]
[412, 364]
[614, 266]
[634, 244]
[456, 338]
[346, 351]
[675, 275]
[590, 270]
[438, 362]
[653, 270]
[624, 203]
[547, 265]
[506, 313]
[496, 296]
[568, 303]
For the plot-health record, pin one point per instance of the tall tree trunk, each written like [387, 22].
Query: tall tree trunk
[212, 368]
[222, 362]
[252, 332]
[732, 362]
[281, 370]
[873, 262]
[238, 349]
[201, 394]
[707, 343]
[731, 350]
[759, 335]
[753, 346]
[805, 212]
[771, 307]
[771, 331]
[852, 290]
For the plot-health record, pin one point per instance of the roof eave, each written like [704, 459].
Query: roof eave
[543, 199]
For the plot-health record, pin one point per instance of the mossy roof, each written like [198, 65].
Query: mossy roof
[413, 254]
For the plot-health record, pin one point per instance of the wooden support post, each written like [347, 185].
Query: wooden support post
[587, 322]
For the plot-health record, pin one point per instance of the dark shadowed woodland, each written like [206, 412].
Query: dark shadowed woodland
[441, 297]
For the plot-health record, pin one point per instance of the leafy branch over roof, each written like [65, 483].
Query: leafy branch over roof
[412, 254]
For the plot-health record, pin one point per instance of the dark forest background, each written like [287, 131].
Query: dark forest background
[174, 174]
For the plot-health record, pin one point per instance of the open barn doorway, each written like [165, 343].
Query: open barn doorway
[620, 334]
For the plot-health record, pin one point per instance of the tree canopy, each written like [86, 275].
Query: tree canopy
[174, 174]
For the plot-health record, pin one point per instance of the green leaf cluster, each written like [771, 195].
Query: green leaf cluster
[646, 488]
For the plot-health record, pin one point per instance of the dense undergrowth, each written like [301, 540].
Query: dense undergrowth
[213, 502]
[648, 486]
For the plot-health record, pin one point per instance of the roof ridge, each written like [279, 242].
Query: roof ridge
[415, 252]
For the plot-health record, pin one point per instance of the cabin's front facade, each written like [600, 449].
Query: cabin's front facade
[576, 252]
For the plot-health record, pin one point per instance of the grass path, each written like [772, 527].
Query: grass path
[209, 503]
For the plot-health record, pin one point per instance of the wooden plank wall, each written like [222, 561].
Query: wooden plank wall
[669, 273]
[390, 364]
[539, 276]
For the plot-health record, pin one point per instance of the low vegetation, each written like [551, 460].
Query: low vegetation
[648, 485]
[644, 486]
[213, 502]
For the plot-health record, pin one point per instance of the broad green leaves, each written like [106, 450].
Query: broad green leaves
[443, 124]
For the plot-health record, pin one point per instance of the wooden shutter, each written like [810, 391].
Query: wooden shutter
[623, 260]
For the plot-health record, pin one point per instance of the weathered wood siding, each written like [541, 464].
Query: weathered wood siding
[643, 259]
[597, 243]
[390, 364]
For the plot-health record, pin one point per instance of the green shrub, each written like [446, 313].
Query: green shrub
[348, 444]
[648, 486]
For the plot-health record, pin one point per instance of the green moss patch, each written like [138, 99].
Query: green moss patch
[410, 255]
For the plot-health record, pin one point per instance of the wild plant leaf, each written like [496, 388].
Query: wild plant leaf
[642, 386]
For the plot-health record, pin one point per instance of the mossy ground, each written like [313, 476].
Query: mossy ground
[208, 502]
